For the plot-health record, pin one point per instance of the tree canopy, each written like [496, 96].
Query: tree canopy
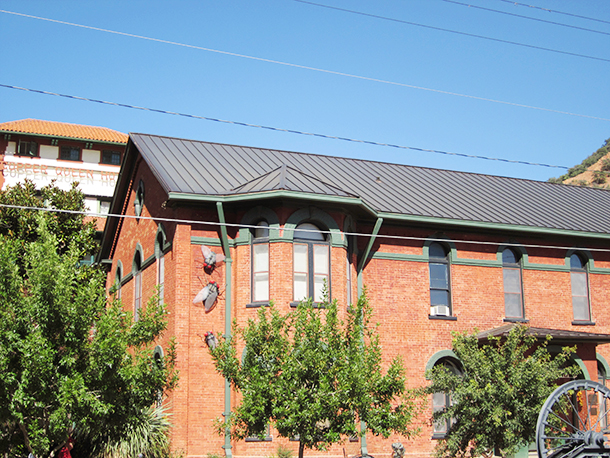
[314, 377]
[498, 394]
[72, 363]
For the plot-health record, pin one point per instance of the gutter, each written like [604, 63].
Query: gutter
[229, 263]
[359, 270]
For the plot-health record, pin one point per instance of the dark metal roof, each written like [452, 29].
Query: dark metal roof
[210, 169]
[558, 335]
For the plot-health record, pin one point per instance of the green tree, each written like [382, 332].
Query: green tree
[314, 377]
[72, 364]
[497, 397]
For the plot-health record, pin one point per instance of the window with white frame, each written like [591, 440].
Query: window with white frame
[260, 263]
[440, 285]
[580, 288]
[513, 284]
[311, 263]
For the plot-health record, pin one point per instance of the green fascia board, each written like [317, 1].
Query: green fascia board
[183, 196]
[495, 226]
[62, 137]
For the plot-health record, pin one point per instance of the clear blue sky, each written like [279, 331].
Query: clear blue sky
[62, 58]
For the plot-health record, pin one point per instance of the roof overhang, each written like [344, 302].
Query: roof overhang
[558, 336]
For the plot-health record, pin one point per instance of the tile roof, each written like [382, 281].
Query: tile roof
[211, 169]
[64, 129]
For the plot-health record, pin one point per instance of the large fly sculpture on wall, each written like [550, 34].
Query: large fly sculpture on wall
[209, 293]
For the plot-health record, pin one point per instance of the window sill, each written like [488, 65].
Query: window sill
[253, 305]
[442, 317]
[583, 323]
[438, 436]
[256, 439]
[316, 305]
[516, 320]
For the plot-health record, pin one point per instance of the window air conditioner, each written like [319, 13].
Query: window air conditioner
[441, 310]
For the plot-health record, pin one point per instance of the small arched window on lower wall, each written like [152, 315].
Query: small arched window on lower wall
[579, 277]
[441, 401]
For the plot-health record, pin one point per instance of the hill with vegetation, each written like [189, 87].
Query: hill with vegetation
[594, 171]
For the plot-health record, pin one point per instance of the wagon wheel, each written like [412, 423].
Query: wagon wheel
[575, 422]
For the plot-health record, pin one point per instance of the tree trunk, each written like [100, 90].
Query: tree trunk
[301, 449]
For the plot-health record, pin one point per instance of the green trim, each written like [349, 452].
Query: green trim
[86, 140]
[604, 363]
[573, 358]
[228, 302]
[400, 257]
[165, 246]
[148, 261]
[314, 215]
[369, 246]
[209, 241]
[254, 216]
[133, 260]
[493, 226]
[438, 356]
[280, 194]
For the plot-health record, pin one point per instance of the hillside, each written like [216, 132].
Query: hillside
[594, 171]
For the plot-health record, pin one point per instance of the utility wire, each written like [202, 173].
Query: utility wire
[554, 11]
[250, 226]
[526, 17]
[304, 67]
[482, 37]
[290, 131]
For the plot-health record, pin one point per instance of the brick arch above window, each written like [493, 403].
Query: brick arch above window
[135, 266]
[161, 243]
[318, 217]
[522, 252]
[443, 240]
[254, 216]
[585, 255]
[436, 357]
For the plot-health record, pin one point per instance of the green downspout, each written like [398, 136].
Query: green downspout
[229, 262]
[363, 448]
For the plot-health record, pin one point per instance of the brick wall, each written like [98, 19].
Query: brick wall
[397, 279]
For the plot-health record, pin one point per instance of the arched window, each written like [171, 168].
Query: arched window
[139, 200]
[513, 284]
[159, 245]
[580, 288]
[260, 263]
[441, 401]
[118, 279]
[137, 288]
[440, 284]
[311, 263]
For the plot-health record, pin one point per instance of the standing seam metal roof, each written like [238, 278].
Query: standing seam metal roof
[202, 168]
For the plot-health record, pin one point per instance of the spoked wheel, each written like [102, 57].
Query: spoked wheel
[575, 422]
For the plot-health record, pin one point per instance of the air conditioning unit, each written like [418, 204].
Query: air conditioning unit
[439, 310]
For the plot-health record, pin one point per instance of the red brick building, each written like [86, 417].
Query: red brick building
[438, 250]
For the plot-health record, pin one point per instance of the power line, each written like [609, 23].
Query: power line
[483, 37]
[290, 131]
[250, 226]
[304, 67]
[554, 11]
[526, 17]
